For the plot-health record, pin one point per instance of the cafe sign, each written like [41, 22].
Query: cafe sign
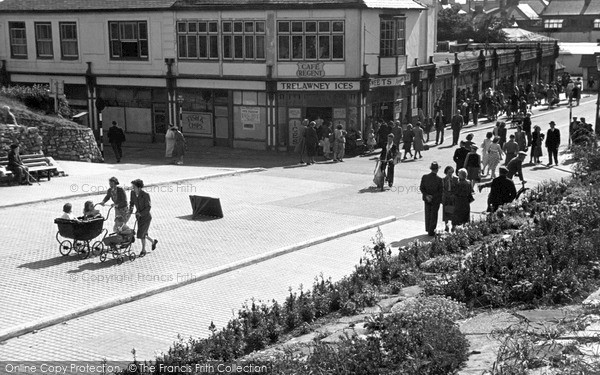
[310, 70]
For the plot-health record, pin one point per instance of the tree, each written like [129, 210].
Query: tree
[454, 26]
[489, 30]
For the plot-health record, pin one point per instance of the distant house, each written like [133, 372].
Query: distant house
[572, 20]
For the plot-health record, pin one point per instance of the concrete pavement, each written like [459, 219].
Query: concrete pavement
[282, 206]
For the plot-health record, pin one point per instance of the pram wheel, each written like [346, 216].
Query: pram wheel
[132, 256]
[97, 248]
[120, 260]
[103, 255]
[65, 247]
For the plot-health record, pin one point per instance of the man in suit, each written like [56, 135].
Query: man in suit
[552, 143]
[502, 190]
[387, 157]
[515, 166]
[432, 188]
[457, 123]
[460, 155]
[16, 166]
[116, 137]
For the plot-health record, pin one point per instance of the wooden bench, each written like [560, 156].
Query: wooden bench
[38, 164]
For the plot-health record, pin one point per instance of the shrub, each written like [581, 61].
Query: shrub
[37, 97]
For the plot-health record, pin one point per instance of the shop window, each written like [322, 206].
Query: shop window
[553, 24]
[243, 40]
[68, 41]
[43, 40]
[392, 37]
[310, 40]
[597, 23]
[128, 40]
[198, 40]
[18, 40]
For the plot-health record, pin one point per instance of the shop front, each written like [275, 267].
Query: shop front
[332, 102]
[387, 98]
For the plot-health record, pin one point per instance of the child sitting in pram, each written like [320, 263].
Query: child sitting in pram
[122, 232]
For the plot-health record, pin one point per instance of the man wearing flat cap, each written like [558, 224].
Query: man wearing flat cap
[552, 143]
[432, 188]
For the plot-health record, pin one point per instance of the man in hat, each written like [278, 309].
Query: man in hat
[116, 137]
[432, 188]
[502, 190]
[460, 155]
[552, 143]
[16, 166]
[515, 166]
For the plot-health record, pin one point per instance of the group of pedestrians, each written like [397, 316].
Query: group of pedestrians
[318, 133]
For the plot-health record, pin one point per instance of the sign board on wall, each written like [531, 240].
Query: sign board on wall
[319, 86]
[198, 123]
[387, 82]
[250, 115]
[310, 69]
[339, 113]
[294, 131]
[295, 113]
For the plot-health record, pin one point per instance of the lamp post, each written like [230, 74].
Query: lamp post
[180, 102]
[597, 97]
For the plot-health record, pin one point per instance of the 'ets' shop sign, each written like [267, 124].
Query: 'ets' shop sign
[319, 86]
[310, 69]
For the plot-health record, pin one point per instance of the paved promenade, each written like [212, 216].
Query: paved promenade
[281, 205]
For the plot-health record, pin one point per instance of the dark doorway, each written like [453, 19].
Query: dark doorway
[324, 113]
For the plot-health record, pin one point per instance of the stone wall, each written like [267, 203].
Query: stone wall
[62, 143]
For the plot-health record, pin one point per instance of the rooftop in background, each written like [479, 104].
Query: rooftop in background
[515, 34]
[141, 5]
[579, 48]
[564, 8]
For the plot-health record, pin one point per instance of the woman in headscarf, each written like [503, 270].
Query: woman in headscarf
[117, 195]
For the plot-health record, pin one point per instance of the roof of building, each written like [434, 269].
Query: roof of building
[528, 12]
[515, 34]
[564, 8]
[537, 5]
[588, 61]
[82, 5]
[578, 48]
[593, 9]
[119, 5]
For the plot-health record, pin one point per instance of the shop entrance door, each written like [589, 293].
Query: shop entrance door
[222, 127]
[159, 117]
[325, 113]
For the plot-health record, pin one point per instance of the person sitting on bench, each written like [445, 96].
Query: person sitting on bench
[16, 166]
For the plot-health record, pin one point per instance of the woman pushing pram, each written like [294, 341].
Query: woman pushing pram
[386, 163]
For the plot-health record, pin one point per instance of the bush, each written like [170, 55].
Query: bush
[37, 97]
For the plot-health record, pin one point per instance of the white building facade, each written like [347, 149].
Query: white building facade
[242, 74]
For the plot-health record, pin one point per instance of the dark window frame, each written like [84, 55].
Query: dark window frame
[64, 40]
[43, 41]
[243, 40]
[311, 40]
[14, 26]
[127, 38]
[392, 36]
[205, 36]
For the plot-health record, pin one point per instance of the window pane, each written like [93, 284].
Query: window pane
[284, 47]
[116, 48]
[203, 47]
[192, 46]
[283, 27]
[238, 27]
[129, 49]
[249, 27]
[311, 47]
[324, 47]
[260, 47]
[338, 26]
[260, 27]
[212, 27]
[69, 49]
[143, 48]
[143, 30]
[298, 47]
[193, 27]
[323, 26]
[238, 47]
[249, 47]
[338, 46]
[181, 27]
[227, 47]
[128, 31]
[214, 47]
[182, 46]
[297, 27]
[226, 27]
[114, 31]
[311, 27]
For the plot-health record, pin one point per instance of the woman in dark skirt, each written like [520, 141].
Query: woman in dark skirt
[141, 201]
[462, 199]
[450, 184]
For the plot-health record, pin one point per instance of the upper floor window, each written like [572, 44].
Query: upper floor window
[597, 23]
[392, 39]
[128, 40]
[243, 40]
[18, 40]
[43, 40]
[553, 24]
[310, 40]
[198, 40]
[68, 40]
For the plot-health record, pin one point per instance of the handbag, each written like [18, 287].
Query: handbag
[449, 209]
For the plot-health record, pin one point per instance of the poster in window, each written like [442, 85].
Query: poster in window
[295, 113]
[199, 123]
[250, 117]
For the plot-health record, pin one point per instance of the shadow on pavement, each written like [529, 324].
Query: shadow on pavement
[200, 218]
[94, 264]
[371, 189]
[45, 263]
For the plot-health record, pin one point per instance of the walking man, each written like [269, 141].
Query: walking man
[116, 137]
[439, 128]
[432, 188]
[502, 190]
[552, 143]
[515, 166]
[457, 124]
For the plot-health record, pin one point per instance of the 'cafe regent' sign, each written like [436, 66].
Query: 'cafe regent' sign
[310, 70]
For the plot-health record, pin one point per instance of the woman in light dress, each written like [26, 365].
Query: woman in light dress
[418, 139]
[495, 154]
[485, 148]
[169, 142]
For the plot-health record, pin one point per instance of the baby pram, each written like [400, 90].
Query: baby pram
[118, 245]
[379, 175]
[80, 233]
